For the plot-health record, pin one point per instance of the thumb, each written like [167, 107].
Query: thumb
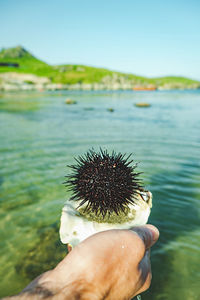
[148, 233]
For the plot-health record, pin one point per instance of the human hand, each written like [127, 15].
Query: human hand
[113, 264]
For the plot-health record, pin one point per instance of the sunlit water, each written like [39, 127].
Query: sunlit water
[40, 135]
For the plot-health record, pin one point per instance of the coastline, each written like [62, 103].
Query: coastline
[13, 81]
[20, 70]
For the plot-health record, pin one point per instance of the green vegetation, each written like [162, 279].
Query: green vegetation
[27, 62]
[44, 255]
[112, 218]
[73, 74]
[175, 82]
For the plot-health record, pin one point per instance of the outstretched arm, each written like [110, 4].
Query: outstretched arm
[113, 264]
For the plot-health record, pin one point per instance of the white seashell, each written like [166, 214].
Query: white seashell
[75, 227]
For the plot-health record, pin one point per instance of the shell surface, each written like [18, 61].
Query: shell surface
[75, 226]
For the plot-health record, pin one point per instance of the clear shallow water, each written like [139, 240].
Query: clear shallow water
[40, 135]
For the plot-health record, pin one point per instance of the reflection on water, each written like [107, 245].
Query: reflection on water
[18, 103]
[40, 135]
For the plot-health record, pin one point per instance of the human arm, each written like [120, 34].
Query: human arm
[113, 264]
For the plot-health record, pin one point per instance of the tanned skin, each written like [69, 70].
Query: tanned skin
[110, 265]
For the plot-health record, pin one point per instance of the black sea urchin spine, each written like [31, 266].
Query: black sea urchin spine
[104, 183]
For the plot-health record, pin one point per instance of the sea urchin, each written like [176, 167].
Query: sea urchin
[104, 183]
[107, 194]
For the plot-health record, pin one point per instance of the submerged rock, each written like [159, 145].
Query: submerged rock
[142, 104]
[45, 255]
[88, 108]
[70, 101]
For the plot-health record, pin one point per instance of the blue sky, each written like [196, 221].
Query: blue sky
[150, 38]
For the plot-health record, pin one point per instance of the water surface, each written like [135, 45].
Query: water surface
[40, 135]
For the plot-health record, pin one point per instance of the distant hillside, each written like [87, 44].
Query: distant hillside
[81, 75]
[15, 53]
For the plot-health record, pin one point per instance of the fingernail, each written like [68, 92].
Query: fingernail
[154, 231]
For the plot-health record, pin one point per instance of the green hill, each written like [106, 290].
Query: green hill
[73, 74]
[27, 62]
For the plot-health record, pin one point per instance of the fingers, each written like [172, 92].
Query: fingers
[146, 284]
[148, 233]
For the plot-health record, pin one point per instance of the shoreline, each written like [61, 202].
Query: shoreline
[23, 86]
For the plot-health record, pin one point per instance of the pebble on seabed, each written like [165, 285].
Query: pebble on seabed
[142, 104]
[70, 101]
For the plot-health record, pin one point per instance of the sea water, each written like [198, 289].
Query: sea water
[39, 136]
